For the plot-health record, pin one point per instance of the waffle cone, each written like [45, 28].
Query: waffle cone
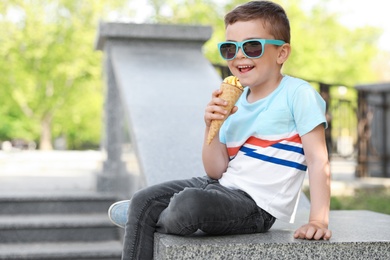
[230, 93]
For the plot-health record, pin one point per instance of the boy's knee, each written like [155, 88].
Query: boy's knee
[187, 198]
[182, 205]
[183, 213]
[141, 198]
[189, 203]
[138, 196]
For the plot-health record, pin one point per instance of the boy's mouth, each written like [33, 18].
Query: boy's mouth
[245, 68]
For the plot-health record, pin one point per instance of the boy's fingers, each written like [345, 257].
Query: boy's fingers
[234, 110]
[216, 111]
[319, 234]
[300, 233]
[216, 93]
[311, 231]
[328, 235]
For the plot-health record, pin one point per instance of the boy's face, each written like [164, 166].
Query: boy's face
[254, 72]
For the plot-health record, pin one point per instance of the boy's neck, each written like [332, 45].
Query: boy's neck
[259, 92]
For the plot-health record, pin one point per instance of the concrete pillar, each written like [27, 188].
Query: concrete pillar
[158, 85]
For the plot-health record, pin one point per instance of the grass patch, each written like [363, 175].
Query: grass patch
[374, 200]
[377, 200]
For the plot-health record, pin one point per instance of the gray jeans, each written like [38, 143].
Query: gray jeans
[182, 207]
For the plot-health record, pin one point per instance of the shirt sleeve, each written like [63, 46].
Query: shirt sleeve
[308, 108]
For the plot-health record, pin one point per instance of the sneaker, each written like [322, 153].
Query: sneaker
[117, 213]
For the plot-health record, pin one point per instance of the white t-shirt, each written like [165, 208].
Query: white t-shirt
[263, 139]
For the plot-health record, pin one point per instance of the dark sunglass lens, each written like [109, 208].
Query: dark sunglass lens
[253, 49]
[228, 50]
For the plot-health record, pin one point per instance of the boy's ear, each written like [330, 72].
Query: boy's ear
[284, 53]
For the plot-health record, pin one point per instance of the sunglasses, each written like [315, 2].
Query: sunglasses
[252, 49]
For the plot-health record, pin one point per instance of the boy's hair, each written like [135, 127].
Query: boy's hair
[273, 16]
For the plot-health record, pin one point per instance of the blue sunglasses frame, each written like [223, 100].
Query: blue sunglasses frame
[238, 45]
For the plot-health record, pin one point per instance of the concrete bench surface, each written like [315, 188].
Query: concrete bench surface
[356, 235]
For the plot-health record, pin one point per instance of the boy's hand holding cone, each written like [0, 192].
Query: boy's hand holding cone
[231, 90]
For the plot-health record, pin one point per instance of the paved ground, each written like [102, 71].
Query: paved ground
[54, 171]
[75, 171]
[344, 181]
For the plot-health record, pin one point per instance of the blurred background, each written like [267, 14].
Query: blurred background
[53, 147]
[52, 88]
[51, 75]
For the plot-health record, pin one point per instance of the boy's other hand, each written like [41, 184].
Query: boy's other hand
[313, 230]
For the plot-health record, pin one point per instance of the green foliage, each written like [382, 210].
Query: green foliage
[326, 51]
[374, 200]
[198, 12]
[322, 48]
[50, 74]
[50, 71]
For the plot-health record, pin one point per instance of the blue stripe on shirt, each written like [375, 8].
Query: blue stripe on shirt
[288, 147]
[251, 153]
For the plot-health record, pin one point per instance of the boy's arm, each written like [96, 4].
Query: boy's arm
[214, 155]
[319, 179]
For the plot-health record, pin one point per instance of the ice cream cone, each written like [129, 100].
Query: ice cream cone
[230, 93]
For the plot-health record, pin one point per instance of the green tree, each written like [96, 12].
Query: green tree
[194, 12]
[50, 72]
[325, 50]
[322, 48]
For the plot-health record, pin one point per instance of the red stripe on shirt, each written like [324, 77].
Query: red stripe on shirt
[232, 151]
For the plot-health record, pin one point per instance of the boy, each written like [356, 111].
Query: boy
[256, 166]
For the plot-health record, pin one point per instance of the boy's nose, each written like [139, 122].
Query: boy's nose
[240, 54]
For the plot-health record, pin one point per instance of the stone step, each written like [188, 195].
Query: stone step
[102, 250]
[41, 203]
[45, 225]
[59, 228]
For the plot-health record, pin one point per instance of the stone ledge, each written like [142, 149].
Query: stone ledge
[170, 32]
[356, 235]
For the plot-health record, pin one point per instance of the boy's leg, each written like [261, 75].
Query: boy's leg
[144, 211]
[215, 210]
